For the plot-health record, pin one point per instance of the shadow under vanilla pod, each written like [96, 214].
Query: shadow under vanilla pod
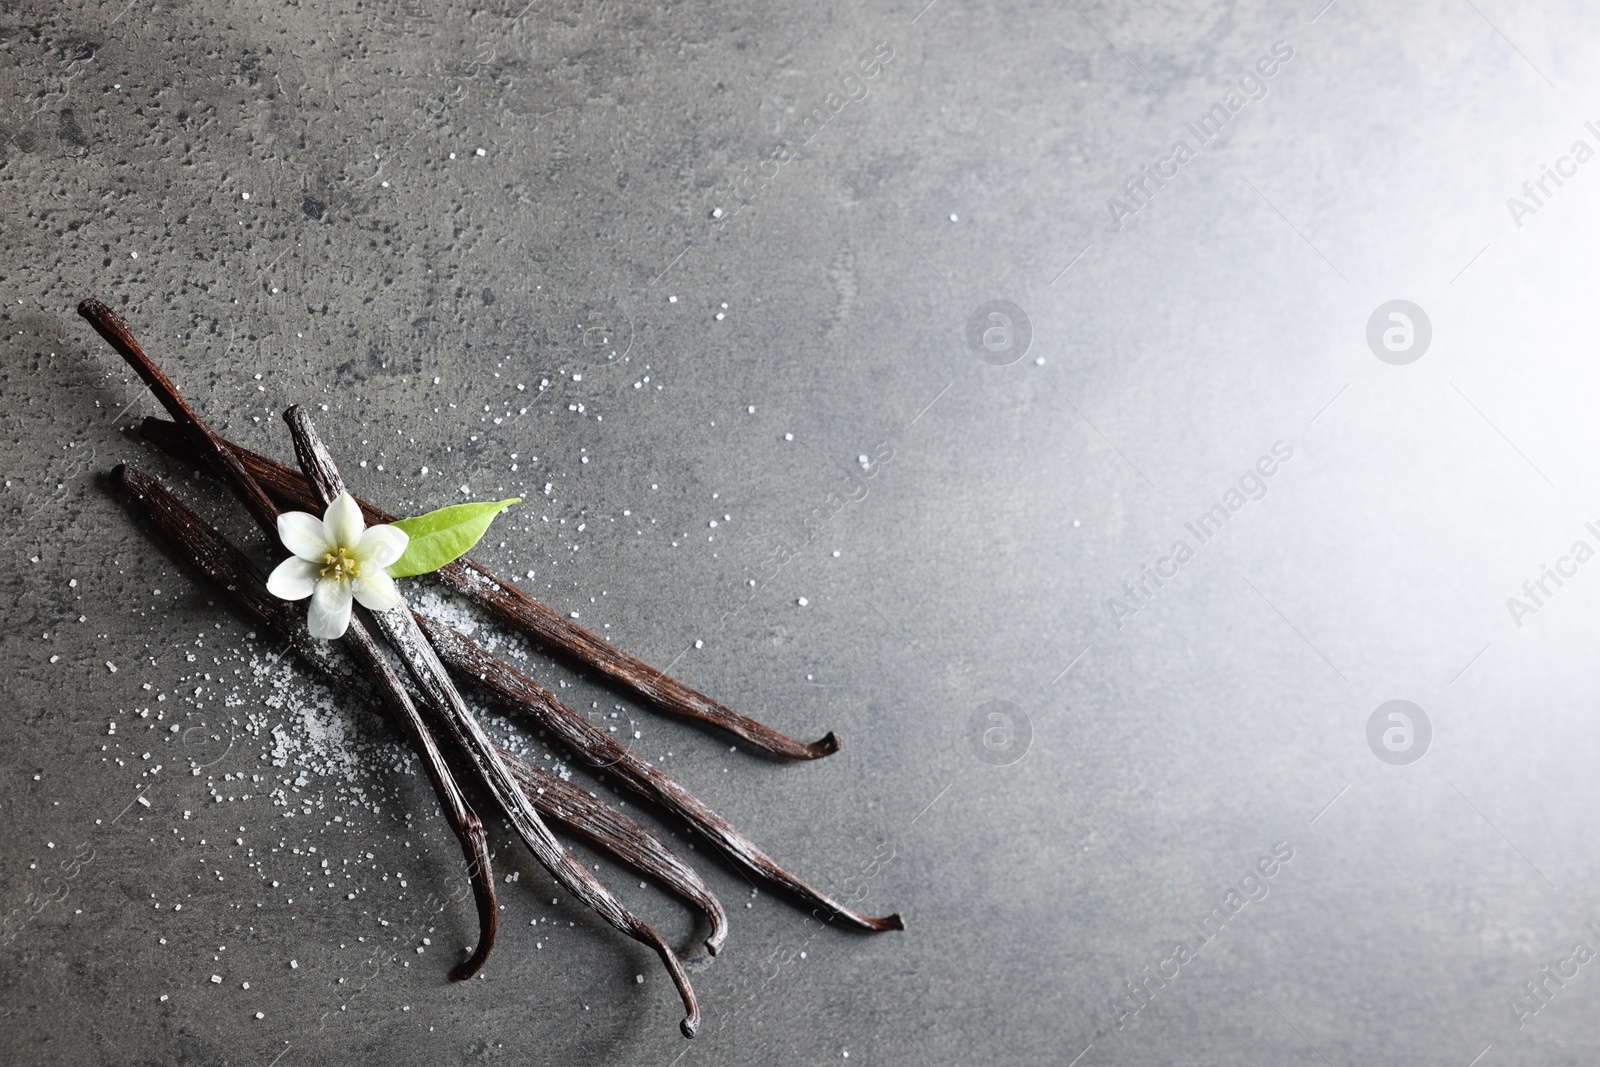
[431, 711]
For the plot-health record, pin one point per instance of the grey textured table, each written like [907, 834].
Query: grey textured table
[1107, 588]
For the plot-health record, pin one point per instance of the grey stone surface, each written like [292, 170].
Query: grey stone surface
[594, 255]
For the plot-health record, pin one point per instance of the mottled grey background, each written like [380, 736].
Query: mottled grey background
[592, 255]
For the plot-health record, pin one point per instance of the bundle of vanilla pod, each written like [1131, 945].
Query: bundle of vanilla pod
[343, 556]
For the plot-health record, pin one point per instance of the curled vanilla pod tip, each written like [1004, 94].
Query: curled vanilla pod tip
[596, 748]
[622, 837]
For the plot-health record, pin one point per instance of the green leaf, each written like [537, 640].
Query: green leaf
[444, 535]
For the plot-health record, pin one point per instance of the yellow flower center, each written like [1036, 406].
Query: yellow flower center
[340, 565]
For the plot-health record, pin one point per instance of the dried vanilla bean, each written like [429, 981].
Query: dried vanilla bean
[569, 805]
[450, 711]
[527, 615]
[192, 430]
[463, 821]
[620, 836]
[599, 750]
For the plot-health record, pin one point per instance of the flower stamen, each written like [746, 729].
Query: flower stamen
[340, 566]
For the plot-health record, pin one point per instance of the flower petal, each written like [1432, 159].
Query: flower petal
[294, 578]
[380, 546]
[343, 520]
[330, 610]
[376, 590]
[304, 535]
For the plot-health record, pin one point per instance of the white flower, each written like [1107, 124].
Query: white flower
[337, 558]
